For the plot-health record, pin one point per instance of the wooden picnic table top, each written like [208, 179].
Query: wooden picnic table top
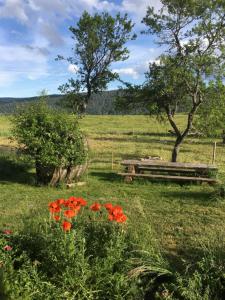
[160, 163]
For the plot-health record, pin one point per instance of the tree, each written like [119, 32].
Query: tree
[99, 41]
[211, 116]
[52, 140]
[193, 33]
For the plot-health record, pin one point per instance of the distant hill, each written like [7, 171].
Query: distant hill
[101, 104]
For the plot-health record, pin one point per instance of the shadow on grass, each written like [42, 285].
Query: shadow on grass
[133, 139]
[203, 197]
[106, 176]
[12, 170]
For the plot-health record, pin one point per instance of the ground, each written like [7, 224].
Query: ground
[183, 219]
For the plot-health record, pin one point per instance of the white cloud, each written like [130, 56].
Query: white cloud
[14, 9]
[22, 62]
[73, 68]
[51, 34]
[140, 57]
[139, 8]
[127, 71]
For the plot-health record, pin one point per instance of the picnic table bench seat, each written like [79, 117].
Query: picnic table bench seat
[175, 171]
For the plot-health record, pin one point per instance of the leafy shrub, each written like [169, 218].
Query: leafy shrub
[51, 138]
[89, 260]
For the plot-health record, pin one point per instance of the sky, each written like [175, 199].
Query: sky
[34, 32]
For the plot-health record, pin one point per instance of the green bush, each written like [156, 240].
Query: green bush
[90, 261]
[51, 138]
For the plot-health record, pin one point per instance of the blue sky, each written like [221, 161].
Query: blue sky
[34, 32]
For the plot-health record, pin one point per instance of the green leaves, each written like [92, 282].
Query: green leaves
[51, 138]
[99, 41]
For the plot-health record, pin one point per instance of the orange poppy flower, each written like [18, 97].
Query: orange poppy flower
[66, 226]
[69, 213]
[110, 217]
[57, 218]
[81, 201]
[60, 202]
[117, 210]
[121, 218]
[95, 207]
[52, 205]
[76, 208]
[108, 206]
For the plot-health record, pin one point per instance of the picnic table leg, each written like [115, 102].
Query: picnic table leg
[130, 169]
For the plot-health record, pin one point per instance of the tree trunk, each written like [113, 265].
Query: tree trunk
[181, 136]
[176, 149]
[53, 176]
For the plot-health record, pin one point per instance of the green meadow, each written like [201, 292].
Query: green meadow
[182, 219]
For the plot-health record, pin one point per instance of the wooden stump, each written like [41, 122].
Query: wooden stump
[53, 176]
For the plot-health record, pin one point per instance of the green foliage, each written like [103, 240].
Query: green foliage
[100, 41]
[211, 115]
[163, 91]
[206, 281]
[90, 262]
[49, 137]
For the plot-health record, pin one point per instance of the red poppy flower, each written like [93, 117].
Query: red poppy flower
[110, 217]
[76, 208]
[95, 207]
[54, 208]
[57, 218]
[81, 201]
[66, 203]
[117, 210]
[60, 202]
[66, 226]
[121, 218]
[108, 206]
[7, 231]
[7, 248]
[69, 213]
[72, 201]
[52, 204]
[72, 198]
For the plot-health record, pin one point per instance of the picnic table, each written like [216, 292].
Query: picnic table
[175, 171]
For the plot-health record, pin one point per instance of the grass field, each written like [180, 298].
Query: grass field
[183, 219]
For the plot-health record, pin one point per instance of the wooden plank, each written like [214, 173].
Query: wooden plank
[168, 169]
[169, 164]
[130, 170]
[168, 177]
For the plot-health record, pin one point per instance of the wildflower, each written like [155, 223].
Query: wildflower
[53, 207]
[7, 248]
[95, 207]
[121, 218]
[108, 206]
[117, 210]
[81, 202]
[76, 208]
[66, 226]
[69, 213]
[110, 217]
[60, 202]
[7, 231]
[56, 217]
